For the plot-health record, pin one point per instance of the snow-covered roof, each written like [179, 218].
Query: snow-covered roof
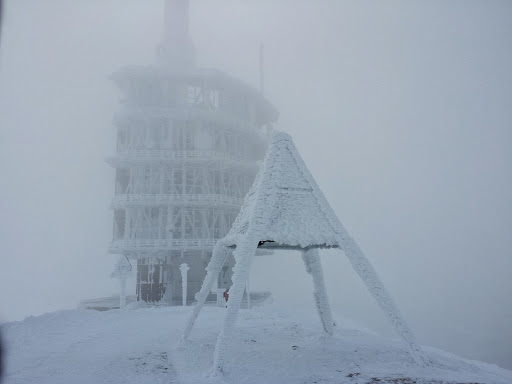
[285, 205]
[210, 76]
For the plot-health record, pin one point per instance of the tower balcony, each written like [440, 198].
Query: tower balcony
[147, 246]
[141, 157]
[130, 113]
[160, 245]
[149, 200]
[205, 89]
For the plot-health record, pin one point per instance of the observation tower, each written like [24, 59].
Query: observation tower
[189, 141]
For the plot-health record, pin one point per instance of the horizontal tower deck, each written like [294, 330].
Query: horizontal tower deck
[140, 157]
[135, 247]
[208, 200]
[128, 113]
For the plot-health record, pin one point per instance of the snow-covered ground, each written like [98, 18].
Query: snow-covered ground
[140, 345]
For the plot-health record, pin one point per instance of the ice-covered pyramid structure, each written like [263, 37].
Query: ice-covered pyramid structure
[285, 209]
[284, 205]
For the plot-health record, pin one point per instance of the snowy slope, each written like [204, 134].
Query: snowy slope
[140, 346]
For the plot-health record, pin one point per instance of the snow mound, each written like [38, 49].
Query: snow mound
[141, 346]
[137, 305]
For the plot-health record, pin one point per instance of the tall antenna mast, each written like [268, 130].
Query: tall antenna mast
[268, 126]
[176, 50]
[262, 74]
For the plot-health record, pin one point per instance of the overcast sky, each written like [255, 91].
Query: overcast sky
[401, 109]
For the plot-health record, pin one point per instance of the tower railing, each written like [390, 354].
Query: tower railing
[151, 245]
[184, 113]
[147, 199]
[156, 155]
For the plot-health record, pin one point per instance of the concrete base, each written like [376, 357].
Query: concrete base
[258, 299]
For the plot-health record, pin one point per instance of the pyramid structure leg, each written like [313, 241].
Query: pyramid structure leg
[220, 254]
[248, 293]
[313, 265]
[244, 254]
[122, 295]
[373, 283]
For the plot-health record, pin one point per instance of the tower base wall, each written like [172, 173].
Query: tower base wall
[159, 277]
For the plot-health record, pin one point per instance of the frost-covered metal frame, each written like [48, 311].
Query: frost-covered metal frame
[188, 145]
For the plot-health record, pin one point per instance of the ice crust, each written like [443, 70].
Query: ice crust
[270, 345]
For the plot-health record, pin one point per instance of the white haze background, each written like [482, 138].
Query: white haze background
[401, 109]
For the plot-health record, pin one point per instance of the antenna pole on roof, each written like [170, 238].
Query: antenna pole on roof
[176, 50]
[262, 74]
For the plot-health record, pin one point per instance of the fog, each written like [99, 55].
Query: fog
[402, 111]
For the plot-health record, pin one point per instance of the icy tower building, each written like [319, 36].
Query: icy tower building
[188, 145]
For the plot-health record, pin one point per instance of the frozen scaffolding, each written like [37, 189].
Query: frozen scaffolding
[188, 145]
